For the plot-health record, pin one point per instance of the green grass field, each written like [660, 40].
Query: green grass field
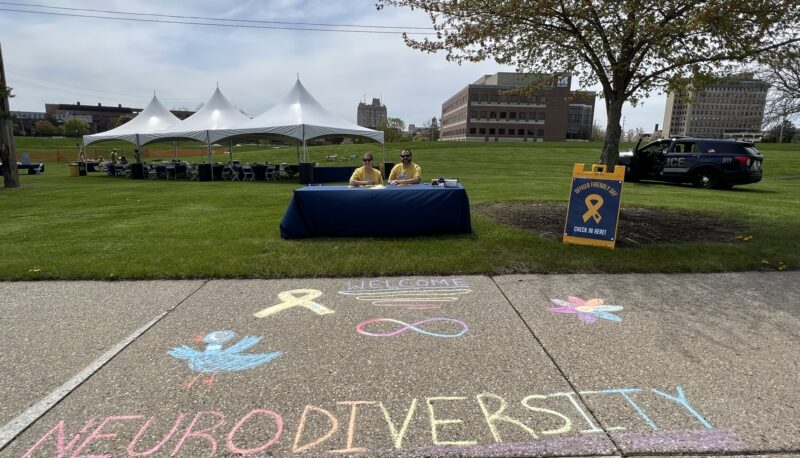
[99, 227]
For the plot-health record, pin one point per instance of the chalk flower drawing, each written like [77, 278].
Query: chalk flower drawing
[214, 359]
[587, 310]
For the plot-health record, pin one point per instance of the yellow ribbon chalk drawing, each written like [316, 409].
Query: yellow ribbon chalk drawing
[593, 202]
[293, 298]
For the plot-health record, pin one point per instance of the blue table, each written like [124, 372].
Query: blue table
[340, 211]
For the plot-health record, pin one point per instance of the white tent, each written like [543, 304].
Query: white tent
[217, 113]
[299, 116]
[154, 118]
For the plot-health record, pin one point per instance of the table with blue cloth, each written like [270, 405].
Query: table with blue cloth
[341, 211]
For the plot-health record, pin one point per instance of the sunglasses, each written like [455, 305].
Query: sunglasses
[367, 160]
[405, 155]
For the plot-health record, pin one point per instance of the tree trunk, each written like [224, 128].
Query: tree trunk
[610, 152]
[8, 154]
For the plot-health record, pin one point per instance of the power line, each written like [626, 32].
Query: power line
[216, 19]
[210, 24]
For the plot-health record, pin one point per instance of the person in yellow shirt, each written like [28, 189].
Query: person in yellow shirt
[366, 175]
[407, 172]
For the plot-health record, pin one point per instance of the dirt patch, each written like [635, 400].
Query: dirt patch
[636, 226]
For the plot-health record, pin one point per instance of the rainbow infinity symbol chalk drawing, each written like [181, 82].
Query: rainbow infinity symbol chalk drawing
[405, 327]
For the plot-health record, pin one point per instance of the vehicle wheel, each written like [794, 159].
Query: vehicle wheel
[706, 178]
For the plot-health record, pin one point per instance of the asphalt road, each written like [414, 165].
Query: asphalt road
[522, 365]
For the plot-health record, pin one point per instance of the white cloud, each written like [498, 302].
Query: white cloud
[57, 59]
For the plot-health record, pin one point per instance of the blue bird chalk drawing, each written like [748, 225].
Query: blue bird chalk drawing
[214, 359]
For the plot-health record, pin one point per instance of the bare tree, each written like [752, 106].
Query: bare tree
[782, 71]
[628, 47]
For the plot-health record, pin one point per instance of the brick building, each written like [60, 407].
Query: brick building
[491, 110]
[102, 117]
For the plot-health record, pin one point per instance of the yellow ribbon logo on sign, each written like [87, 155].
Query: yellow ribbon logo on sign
[593, 202]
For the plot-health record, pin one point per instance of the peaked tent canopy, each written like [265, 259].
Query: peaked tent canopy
[154, 118]
[217, 113]
[299, 116]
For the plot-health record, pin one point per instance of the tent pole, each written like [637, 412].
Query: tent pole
[138, 150]
[230, 150]
[175, 147]
[210, 158]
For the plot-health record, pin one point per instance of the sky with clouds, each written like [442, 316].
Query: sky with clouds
[64, 59]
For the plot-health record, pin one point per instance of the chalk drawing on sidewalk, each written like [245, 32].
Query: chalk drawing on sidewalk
[587, 310]
[438, 425]
[404, 327]
[214, 359]
[411, 293]
[296, 298]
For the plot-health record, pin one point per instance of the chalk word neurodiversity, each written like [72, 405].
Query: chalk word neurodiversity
[571, 428]
[411, 293]
[296, 298]
[403, 327]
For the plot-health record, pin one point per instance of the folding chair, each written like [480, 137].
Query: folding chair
[247, 173]
[40, 169]
[152, 172]
[169, 172]
[234, 172]
[192, 173]
[271, 173]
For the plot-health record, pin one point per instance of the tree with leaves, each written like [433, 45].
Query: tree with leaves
[45, 128]
[8, 154]
[782, 132]
[392, 129]
[434, 129]
[628, 47]
[75, 127]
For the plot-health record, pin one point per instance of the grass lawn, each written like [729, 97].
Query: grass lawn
[98, 227]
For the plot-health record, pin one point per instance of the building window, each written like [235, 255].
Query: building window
[491, 131]
[540, 133]
[492, 115]
[473, 114]
[513, 99]
[522, 115]
[473, 97]
[483, 115]
[484, 97]
[512, 115]
[493, 98]
[530, 132]
[521, 132]
[502, 115]
[542, 100]
[523, 99]
[482, 131]
[501, 131]
[472, 131]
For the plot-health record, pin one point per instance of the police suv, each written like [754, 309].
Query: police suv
[704, 162]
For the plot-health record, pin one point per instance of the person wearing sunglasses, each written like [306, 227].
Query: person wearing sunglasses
[366, 175]
[406, 172]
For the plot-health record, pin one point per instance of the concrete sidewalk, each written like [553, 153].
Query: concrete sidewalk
[522, 365]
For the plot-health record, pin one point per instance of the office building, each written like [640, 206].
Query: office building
[371, 115]
[494, 108]
[730, 108]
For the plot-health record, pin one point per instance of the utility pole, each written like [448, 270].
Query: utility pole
[8, 154]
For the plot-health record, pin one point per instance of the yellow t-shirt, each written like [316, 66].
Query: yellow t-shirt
[405, 173]
[360, 174]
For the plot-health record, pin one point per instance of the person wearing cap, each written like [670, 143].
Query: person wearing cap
[406, 172]
[366, 175]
